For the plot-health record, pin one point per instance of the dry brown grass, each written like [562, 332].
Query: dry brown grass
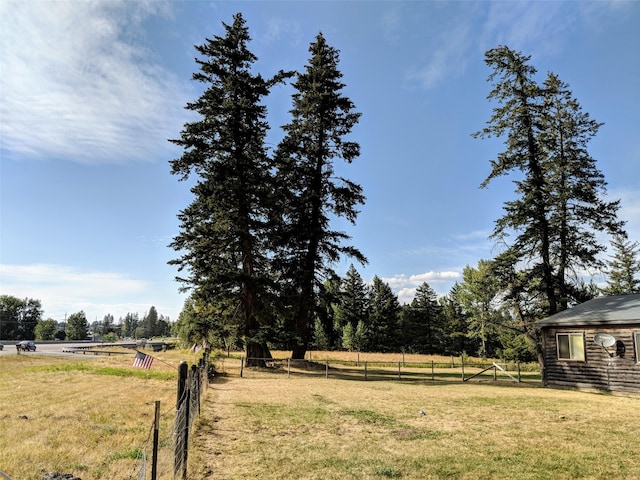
[271, 426]
[86, 416]
[90, 417]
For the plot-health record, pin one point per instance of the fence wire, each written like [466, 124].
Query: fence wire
[186, 410]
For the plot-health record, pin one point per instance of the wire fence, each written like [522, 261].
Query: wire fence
[456, 369]
[154, 462]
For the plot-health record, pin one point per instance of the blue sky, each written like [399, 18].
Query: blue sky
[91, 91]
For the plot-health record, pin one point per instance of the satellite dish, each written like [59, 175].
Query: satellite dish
[604, 340]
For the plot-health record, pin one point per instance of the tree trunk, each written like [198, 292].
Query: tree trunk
[299, 352]
[257, 354]
[302, 327]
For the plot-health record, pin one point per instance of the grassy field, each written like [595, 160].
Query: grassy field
[92, 417]
[88, 416]
[273, 426]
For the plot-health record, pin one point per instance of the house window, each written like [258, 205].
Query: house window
[636, 341]
[570, 346]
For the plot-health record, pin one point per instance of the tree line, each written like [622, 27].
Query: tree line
[21, 319]
[256, 248]
[471, 319]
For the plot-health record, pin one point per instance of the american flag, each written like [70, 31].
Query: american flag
[142, 360]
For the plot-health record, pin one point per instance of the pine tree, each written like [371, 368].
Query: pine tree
[384, 310]
[353, 305]
[328, 299]
[560, 205]
[149, 324]
[477, 296]
[517, 117]
[224, 238]
[624, 267]
[320, 337]
[423, 330]
[575, 190]
[322, 119]
[456, 341]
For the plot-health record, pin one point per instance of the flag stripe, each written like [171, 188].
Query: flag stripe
[142, 360]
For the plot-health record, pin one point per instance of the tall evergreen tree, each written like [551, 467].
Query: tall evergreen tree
[517, 118]
[322, 119]
[149, 323]
[195, 324]
[560, 205]
[328, 299]
[353, 306]
[623, 267]
[384, 309]
[422, 326]
[223, 242]
[456, 340]
[575, 189]
[560, 192]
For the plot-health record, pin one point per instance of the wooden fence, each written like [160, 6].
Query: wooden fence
[455, 370]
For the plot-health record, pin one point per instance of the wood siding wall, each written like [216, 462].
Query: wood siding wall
[599, 370]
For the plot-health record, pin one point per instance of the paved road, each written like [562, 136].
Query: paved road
[55, 349]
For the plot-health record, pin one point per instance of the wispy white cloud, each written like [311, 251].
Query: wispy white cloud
[391, 22]
[65, 290]
[537, 28]
[78, 84]
[523, 24]
[476, 235]
[541, 28]
[278, 27]
[449, 57]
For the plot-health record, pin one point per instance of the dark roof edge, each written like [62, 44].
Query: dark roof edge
[608, 310]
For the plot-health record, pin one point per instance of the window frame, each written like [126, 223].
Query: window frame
[571, 358]
[636, 345]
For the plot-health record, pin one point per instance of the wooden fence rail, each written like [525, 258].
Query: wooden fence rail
[370, 370]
